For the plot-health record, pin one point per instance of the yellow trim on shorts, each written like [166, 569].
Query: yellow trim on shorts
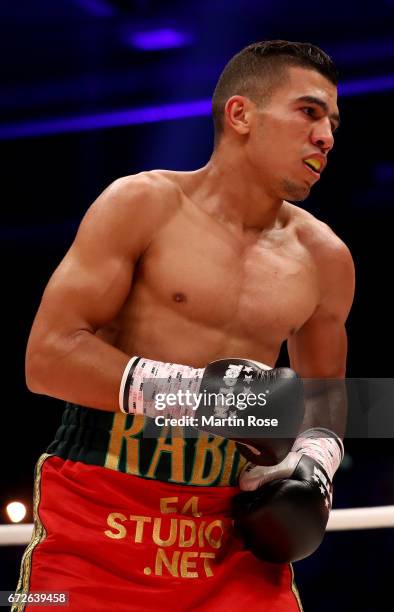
[294, 589]
[38, 535]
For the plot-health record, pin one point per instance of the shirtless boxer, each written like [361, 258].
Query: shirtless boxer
[187, 268]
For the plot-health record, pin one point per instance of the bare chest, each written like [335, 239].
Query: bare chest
[250, 290]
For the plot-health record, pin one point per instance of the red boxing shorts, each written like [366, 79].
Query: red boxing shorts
[117, 541]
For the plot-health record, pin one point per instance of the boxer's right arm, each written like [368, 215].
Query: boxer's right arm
[65, 359]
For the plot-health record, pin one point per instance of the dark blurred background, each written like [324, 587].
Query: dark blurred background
[95, 89]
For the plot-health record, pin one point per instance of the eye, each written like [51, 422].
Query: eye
[308, 110]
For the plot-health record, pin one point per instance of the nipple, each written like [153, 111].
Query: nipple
[179, 297]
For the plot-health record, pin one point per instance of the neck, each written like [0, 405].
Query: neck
[233, 191]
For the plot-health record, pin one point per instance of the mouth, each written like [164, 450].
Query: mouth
[314, 165]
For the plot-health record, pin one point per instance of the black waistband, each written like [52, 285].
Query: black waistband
[83, 435]
[105, 439]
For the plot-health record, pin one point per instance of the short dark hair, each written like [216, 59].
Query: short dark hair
[258, 68]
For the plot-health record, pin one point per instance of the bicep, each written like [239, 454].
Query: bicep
[319, 348]
[84, 293]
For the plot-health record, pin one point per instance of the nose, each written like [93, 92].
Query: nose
[322, 135]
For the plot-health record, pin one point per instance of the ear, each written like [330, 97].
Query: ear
[237, 114]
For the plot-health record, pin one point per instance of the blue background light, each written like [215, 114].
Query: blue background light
[155, 40]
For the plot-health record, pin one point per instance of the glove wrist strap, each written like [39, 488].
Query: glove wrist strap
[323, 445]
[144, 380]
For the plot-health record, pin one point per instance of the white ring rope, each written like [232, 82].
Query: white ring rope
[348, 518]
[15, 535]
[361, 518]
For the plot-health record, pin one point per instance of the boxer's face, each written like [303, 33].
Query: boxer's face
[295, 124]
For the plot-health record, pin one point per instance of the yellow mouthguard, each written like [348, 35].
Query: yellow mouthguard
[315, 163]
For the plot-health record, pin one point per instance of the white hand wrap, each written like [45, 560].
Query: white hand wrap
[167, 378]
[327, 450]
[144, 379]
[320, 444]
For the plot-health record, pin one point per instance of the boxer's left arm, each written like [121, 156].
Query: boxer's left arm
[318, 350]
[299, 489]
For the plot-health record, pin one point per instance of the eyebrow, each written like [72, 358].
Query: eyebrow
[323, 105]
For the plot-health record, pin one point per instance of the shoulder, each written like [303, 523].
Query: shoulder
[152, 191]
[145, 198]
[331, 257]
[134, 205]
[324, 245]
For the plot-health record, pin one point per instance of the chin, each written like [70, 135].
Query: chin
[295, 192]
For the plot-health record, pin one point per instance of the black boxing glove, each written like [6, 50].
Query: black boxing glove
[239, 399]
[283, 512]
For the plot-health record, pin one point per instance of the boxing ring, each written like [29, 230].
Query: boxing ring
[375, 517]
